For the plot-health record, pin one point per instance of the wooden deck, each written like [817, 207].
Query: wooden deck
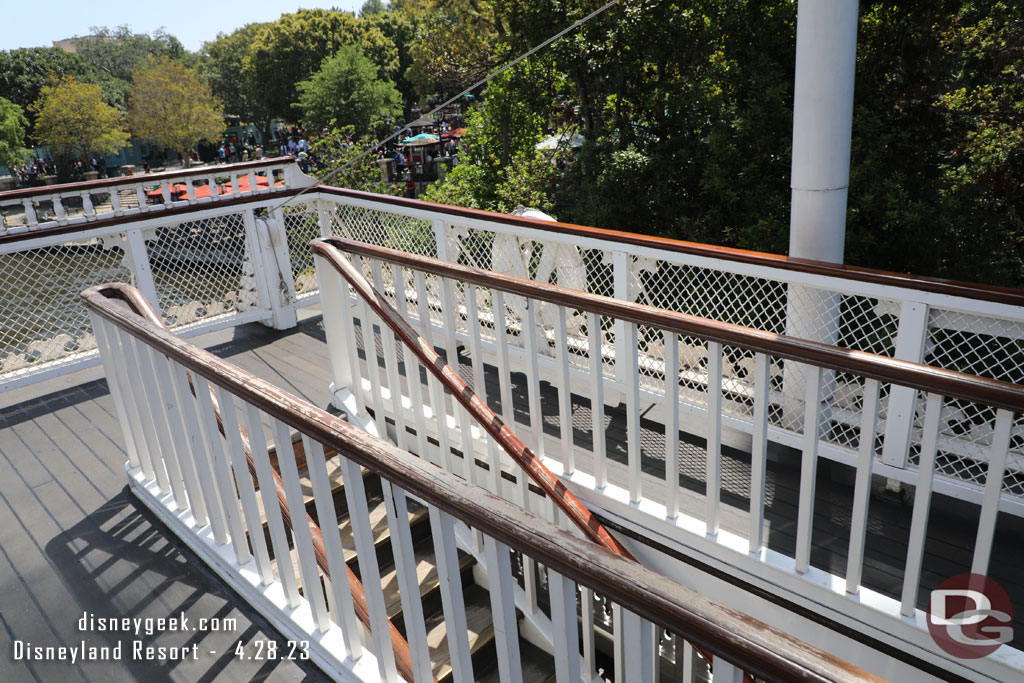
[74, 540]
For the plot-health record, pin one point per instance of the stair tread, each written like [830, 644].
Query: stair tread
[478, 624]
[378, 524]
[537, 665]
[426, 576]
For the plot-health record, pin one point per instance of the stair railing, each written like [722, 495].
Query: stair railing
[204, 509]
[948, 404]
[139, 305]
[331, 251]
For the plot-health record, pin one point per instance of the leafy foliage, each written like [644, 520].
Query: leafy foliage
[172, 106]
[346, 91]
[73, 121]
[24, 73]
[336, 149]
[13, 125]
[288, 51]
[237, 87]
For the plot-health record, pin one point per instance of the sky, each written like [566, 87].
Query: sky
[37, 23]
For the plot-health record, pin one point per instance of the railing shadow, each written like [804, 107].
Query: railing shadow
[121, 562]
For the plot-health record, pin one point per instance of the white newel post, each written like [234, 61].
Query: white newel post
[334, 302]
[277, 269]
[826, 54]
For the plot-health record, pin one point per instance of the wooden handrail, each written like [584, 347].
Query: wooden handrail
[1003, 295]
[983, 390]
[147, 178]
[576, 511]
[403, 657]
[762, 650]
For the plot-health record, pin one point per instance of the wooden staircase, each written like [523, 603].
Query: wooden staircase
[537, 664]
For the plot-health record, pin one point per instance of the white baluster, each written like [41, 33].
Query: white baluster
[113, 364]
[862, 486]
[639, 648]
[493, 477]
[369, 571]
[391, 364]
[409, 591]
[597, 431]
[138, 409]
[271, 507]
[90, 210]
[922, 503]
[626, 349]
[246, 489]
[58, 209]
[302, 535]
[993, 491]
[759, 451]
[714, 436]
[452, 602]
[30, 212]
[216, 446]
[200, 459]
[564, 391]
[671, 403]
[808, 469]
[161, 429]
[564, 627]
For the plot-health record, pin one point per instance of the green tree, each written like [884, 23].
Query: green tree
[73, 120]
[289, 50]
[172, 106]
[338, 154]
[238, 88]
[13, 125]
[346, 91]
[116, 53]
[24, 72]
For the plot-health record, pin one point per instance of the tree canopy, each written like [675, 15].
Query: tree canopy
[73, 120]
[288, 51]
[172, 106]
[13, 125]
[346, 91]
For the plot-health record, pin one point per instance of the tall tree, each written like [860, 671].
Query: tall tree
[172, 106]
[74, 122]
[24, 72]
[116, 53]
[291, 49]
[346, 92]
[238, 88]
[13, 125]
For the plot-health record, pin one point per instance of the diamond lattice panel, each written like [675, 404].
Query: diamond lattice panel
[42, 319]
[203, 269]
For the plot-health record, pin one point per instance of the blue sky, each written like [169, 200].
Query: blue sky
[37, 23]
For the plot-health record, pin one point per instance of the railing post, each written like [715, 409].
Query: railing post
[273, 243]
[899, 422]
[334, 303]
[137, 258]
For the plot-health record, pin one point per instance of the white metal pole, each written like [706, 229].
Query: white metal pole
[826, 51]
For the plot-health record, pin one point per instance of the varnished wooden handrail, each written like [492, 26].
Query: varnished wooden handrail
[970, 290]
[403, 658]
[765, 652]
[915, 375]
[486, 418]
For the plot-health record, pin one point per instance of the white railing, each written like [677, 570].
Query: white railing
[586, 346]
[207, 262]
[971, 329]
[187, 418]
